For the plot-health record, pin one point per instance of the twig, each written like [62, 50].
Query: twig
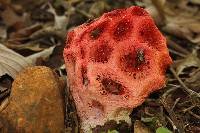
[84, 13]
[188, 109]
[173, 85]
[147, 112]
[71, 118]
[173, 116]
[177, 53]
[193, 114]
[175, 103]
[177, 46]
[185, 102]
[185, 88]
[172, 123]
[168, 91]
[176, 122]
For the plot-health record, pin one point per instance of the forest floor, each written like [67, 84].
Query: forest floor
[37, 31]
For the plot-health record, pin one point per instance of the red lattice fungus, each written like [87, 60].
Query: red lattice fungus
[113, 64]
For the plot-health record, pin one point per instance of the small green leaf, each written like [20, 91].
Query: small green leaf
[150, 121]
[163, 130]
[113, 131]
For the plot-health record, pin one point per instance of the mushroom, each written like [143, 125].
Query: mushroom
[113, 63]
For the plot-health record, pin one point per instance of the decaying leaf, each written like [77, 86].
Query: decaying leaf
[60, 21]
[20, 35]
[195, 2]
[181, 20]
[43, 54]
[193, 81]
[11, 62]
[10, 17]
[139, 127]
[98, 8]
[190, 61]
[3, 33]
[38, 37]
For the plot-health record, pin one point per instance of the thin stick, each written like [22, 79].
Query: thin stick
[172, 123]
[173, 116]
[193, 114]
[188, 109]
[177, 53]
[175, 103]
[185, 88]
[177, 46]
[84, 13]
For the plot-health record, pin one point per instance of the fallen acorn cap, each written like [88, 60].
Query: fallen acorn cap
[113, 63]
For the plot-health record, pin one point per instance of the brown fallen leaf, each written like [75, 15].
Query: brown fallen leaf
[98, 8]
[20, 35]
[5, 86]
[181, 19]
[139, 127]
[36, 103]
[10, 17]
[3, 33]
[195, 2]
[193, 81]
[43, 55]
[190, 61]
[11, 62]
[60, 21]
